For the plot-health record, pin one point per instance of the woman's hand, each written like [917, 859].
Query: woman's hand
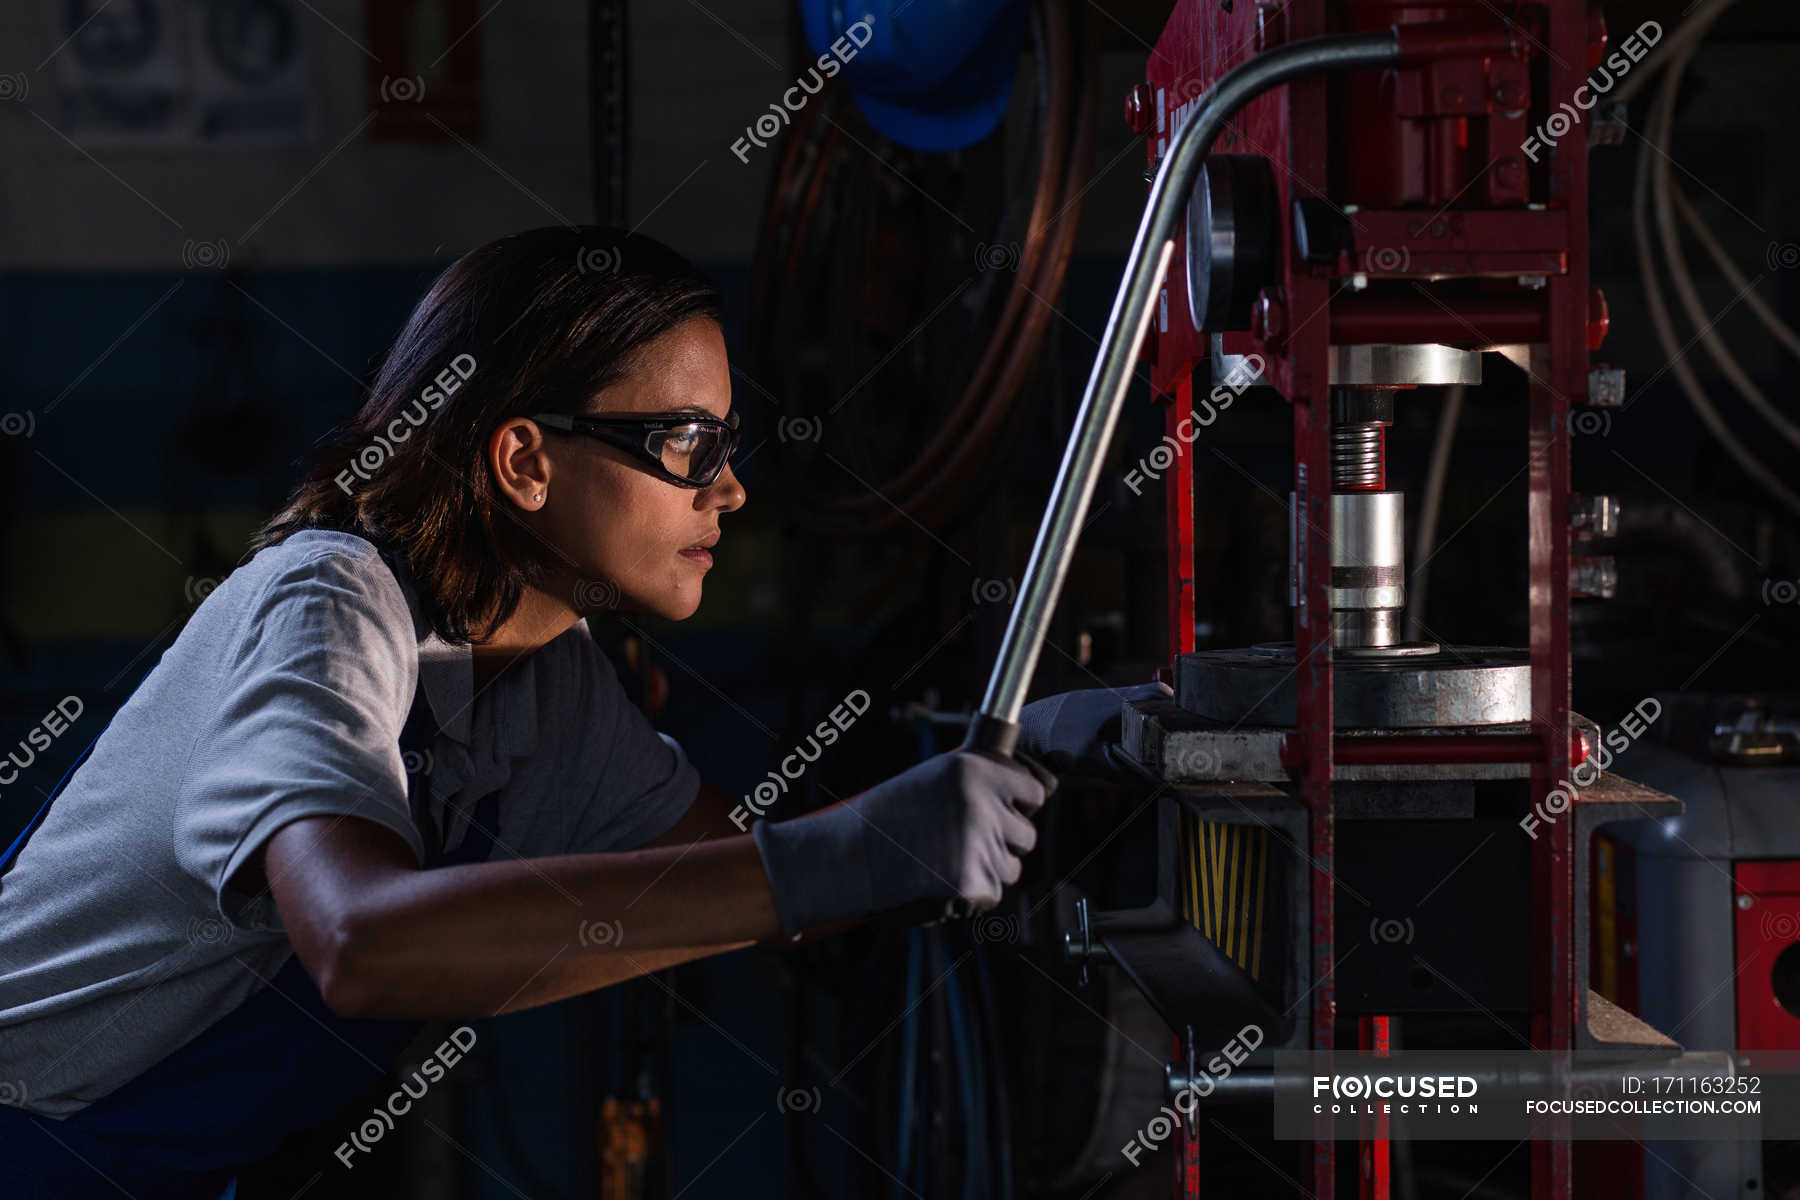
[953, 827]
[1077, 733]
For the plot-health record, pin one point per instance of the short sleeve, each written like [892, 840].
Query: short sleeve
[637, 782]
[306, 721]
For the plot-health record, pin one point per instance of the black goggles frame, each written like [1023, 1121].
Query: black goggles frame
[634, 435]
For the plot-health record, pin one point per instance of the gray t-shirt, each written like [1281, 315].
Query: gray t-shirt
[284, 697]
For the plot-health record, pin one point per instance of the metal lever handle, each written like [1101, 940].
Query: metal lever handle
[995, 729]
[995, 726]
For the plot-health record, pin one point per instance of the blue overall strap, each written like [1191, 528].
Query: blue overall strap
[279, 1063]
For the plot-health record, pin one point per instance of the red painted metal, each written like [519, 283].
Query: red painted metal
[1424, 164]
[1766, 926]
[1562, 381]
[1187, 1143]
[1178, 489]
[1579, 749]
[1496, 243]
[1419, 750]
[1373, 1177]
[1599, 319]
[1138, 114]
[1471, 324]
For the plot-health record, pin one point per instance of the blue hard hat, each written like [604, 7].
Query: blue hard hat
[930, 74]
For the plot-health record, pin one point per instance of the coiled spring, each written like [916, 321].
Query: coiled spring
[1356, 453]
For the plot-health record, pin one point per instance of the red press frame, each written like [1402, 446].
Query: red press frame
[1486, 230]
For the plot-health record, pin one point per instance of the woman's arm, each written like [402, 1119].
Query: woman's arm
[709, 816]
[383, 938]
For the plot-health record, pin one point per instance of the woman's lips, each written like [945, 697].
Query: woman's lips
[698, 555]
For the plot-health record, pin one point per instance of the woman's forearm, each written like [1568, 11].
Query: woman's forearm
[569, 975]
[485, 938]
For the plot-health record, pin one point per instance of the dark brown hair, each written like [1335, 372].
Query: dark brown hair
[537, 321]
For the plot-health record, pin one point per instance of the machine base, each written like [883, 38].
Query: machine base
[1460, 686]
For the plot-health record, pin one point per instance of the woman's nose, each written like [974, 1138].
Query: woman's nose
[726, 493]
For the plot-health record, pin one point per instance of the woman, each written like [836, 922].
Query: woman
[384, 775]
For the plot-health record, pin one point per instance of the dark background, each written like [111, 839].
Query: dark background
[180, 320]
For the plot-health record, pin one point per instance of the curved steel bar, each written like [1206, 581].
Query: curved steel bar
[995, 727]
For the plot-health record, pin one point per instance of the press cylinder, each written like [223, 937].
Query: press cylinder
[1368, 568]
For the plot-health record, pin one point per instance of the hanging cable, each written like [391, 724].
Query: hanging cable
[1661, 118]
[1780, 329]
[1688, 33]
[938, 478]
[1705, 326]
[909, 1046]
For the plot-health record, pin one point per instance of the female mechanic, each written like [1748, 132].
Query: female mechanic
[384, 774]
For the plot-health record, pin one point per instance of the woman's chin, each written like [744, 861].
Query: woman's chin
[681, 607]
[674, 604]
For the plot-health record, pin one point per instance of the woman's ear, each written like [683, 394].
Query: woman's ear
[519, 456]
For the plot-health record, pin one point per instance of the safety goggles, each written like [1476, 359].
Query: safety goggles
[685, 450]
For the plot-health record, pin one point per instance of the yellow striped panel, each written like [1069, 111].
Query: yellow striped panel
[1222, 884]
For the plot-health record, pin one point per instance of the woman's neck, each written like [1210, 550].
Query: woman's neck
[537, 620]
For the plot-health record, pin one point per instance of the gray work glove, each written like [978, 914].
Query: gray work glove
[1077, 733]
[951, 829]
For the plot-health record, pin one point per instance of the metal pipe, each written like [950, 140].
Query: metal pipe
[996, 725]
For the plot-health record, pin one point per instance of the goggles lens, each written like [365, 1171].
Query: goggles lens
[694, 452]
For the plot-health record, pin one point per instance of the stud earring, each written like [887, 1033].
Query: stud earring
[539, 496]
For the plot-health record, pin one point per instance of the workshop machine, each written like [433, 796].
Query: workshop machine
[1348, 207]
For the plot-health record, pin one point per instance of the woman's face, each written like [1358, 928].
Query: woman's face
[627, 532]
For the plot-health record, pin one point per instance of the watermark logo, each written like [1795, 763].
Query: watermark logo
[599, 260]
[205, 256]
[1217, 1069]
[38, 738]
[997, 256]
[1780, 926]
[1568, 115]
[372, 457]
[996, 929]
[594, 594]
[993, 591]
[798, 1100]
[767, 791]
[799, 429]
[18, 424]
[1781, 591]
[208, 931]
[601, 935]
[1164, 454]
[1387, 260]
[760, 131]
[1391, 931]
[1348, 1089]
[1616, 741]
[381, 1119]
[1193, 762]
[401, 89]
[1590, 422]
